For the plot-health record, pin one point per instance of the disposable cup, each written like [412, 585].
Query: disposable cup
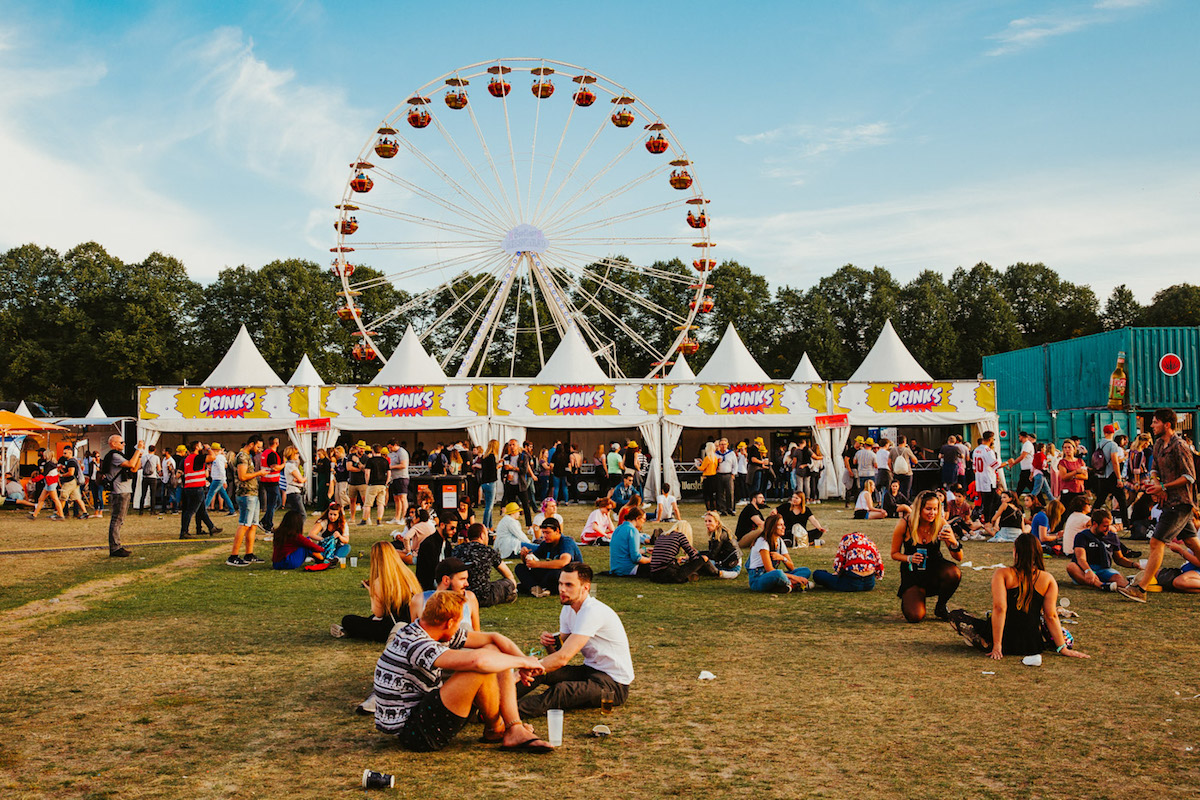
[554, 726]
[354, 561]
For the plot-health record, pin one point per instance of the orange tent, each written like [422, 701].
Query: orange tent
[19, 425]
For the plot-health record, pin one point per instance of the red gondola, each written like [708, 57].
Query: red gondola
[697, 222]
[386, 148]
[706, 305]
[456, 100]
[499, 88]
[689, 347]
[704, 265]
[363, 352]
[622, 118]
[584, 97]
[543, 89]
[657, 144]
[338, 268]
[419, 118]
[347, 313]
[681, 179]
[346, 226]
[362, 183]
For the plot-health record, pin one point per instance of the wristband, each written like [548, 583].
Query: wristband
[954, 549]
[1061, 647]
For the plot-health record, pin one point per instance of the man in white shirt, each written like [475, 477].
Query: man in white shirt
[150, 480]
[585, 625]
[986, 463]
[1025, 462]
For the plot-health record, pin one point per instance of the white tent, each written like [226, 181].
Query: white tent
[410, 364]
[243, 365]
[23, 410]
[93, 418]
[682, 371]
[731, 362]
[806, 372]
[571, 363]
[305, 374]
[889, 360]
[96, 411]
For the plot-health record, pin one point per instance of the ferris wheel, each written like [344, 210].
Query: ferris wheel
[510, 216]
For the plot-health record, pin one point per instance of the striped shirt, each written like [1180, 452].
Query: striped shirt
[666, 549]
[405, 673]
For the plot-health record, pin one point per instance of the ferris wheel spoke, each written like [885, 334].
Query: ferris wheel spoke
[491, 320]
[458, 303]
[512, 154]
[444, 264]
[441, 173]
[537, 118]
[606, 198]
[472, 327]
[446, 244]
[618, 289]
[537, 324]
[627, 241]
[628, 266]
[427, 222]
[553, 162]
[453, 208]
[604, 122]
[487, 153]
[578, 315]
[465, 162]
[549, 223]
[418, 301]
[647, 211]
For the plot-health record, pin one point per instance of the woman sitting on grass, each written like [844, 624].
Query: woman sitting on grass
[634, 502]
[1185, 578]
[865, 507]
[667, 565]
[1078, 517]
[856, 565]
[799, 521]
[333, 532]
[290, 546]
[1024, 610]
[1045, 524]
[770, 567]
[598, 529]
[391, 587]
[924, 571]
[723, 552]
[1009, 520]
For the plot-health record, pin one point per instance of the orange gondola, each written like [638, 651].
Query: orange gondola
[681, 179]
[499, 88]
[419, 118]
[584, 97]
[362, 352]
[657, 144]
[386, 148]
[361, 183]
[347, 313]
[346, 226]
[542, 89]
[338, 268]
[456, 100]
[622, 118]
[689, 347]
[706, 305]
[704, 265]
[697, 222]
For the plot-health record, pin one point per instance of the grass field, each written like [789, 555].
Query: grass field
[171, 675]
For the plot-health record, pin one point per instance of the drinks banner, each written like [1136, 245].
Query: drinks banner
[223, 403]
[403, 402]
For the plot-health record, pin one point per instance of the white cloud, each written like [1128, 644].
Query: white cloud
[1026, 32]
[793, 144]
[1136, 228]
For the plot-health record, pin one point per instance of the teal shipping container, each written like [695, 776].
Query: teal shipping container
[1162, 366]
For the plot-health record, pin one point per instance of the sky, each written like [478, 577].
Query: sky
[908, 135]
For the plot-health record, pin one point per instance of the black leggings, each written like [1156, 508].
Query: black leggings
[681, 573]
[368, 628]
[946, 578]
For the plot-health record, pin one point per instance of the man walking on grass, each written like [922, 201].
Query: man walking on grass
[119, 471]
[247, 500]
[195, 466]
[1175, 492]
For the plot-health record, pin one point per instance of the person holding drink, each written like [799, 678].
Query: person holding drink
[924, 571]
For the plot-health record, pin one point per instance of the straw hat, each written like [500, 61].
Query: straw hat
[512, 508]
[869, 441]
[215, 446]
[632, 444]
[361, 443]
[858, 440]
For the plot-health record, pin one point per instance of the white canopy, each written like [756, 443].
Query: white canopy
[731, 362]
[95, 411]
[95, 416]
[305, 374]
[243, 365]
[571, 363]
[681, 371]
[889, 361]
[23, 410]
[410, 364]
[805, 371]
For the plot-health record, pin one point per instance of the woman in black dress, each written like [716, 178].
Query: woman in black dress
[924, 571]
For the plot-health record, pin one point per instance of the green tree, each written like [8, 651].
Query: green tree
[1175, 305]
[744, 298]
[1121, 310]
[984, 321]
[924, 322]
[860, 301]
[1047, 308]
[806, 326]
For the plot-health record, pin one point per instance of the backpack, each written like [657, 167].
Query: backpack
[106, 476]
[1099, 461]
[901, 466]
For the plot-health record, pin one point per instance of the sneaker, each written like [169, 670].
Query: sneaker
[189, 535]
[539, 592]
[121, 553]
[235, 561]
[366, 707]
[395, 522]
[362, 522]
[968, 633]
[1110, 587]
[250, 558]
[336, 631]
[214, 531]
[1132, 592]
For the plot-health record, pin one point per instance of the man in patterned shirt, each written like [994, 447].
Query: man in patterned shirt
[1175, 492]
[433, 673]
[481, 560]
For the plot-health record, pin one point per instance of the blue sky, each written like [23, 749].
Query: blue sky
[907, 135]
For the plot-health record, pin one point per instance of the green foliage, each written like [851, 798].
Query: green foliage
[983, 318]
[924, 322]
[1175, 305]
[1121, 310]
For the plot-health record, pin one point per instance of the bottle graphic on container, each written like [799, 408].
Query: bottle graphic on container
[1118, 384]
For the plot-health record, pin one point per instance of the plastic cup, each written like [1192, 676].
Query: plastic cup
[354, 561]
[554, 726]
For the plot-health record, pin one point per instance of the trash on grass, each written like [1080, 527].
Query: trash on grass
[985, 672]
[705, 675]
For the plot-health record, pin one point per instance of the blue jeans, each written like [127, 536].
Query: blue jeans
[774, 580]
[844, 581]
[543, 488]
[293, 561]
[489, 500]
[271, 490]
[949, 473]
[1041, 487]
[560, 489]
[247, 510]
[215, 488]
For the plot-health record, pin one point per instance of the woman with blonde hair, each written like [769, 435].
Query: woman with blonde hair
[924, 571]
[723, 551]
[865, 508]
[455, 466]
[667, 565]
[708, 476]
[294, 494]
[391, 587]
[815, 469]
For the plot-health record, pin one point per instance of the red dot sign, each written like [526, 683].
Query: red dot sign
[1003, 433]
[1170, 364]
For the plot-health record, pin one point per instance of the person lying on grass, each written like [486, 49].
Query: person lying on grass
[770, 567]
[587, 626]
[433, 673]
[856, 565]
[1024, 618]
[392, 587]
[1096, 548]
[924, 571]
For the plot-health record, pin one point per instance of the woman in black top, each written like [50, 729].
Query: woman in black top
[924, 571]
[1024, 619]
[796, 512]
[488, 476]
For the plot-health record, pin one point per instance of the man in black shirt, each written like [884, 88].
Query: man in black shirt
[481, 560]
[377, 466]
[433, 550]
[750, 521]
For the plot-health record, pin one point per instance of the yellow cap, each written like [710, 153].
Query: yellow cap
[181, 450]
[512, 508]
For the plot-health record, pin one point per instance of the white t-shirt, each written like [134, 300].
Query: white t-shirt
[1074, 524]
[607, 649]
[1026, 456]
[216, 470]
[666, 503]
[861, 504]
[759, 554]
[985, 462]
[883, 459]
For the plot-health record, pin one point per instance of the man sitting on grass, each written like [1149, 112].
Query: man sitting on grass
[585, 625]
[433, 673]
[1094, 551]
[481, 560]
[541, 565]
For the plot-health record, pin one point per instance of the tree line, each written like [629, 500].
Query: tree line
[84, 325]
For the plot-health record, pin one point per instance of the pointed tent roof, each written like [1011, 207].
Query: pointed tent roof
[572, 362]
[95, 412]
[805, 371]
[410, 364]
[682, 371]
[243, 365]
[889, 360]
[305, 374]
[23, 410]
[731, 362]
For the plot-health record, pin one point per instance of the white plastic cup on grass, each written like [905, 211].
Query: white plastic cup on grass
[354, 561]
[554, 726]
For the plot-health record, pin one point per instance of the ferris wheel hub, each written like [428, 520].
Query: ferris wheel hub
[524, 238]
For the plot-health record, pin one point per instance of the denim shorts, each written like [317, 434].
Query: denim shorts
[247, 509]
[1105, 576]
